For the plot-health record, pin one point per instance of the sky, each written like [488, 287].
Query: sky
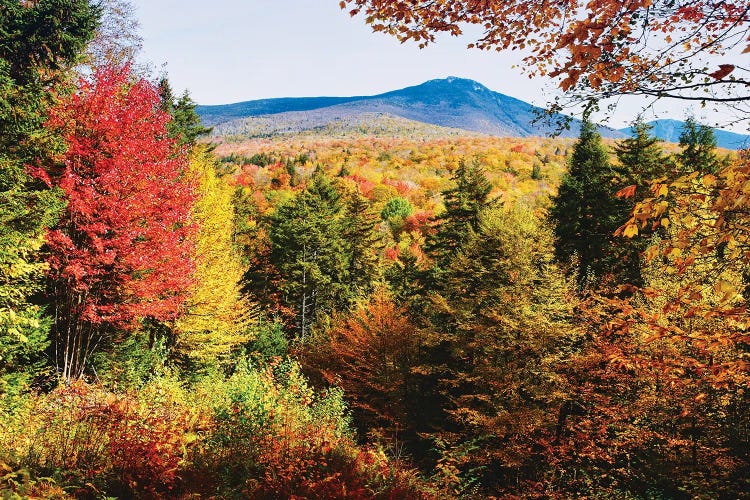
[226, 51]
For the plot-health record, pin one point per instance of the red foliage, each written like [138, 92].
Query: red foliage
[419, 221]
[365, 186]
[125, 242]
[102, 437]
[392, 253]
[401, 186]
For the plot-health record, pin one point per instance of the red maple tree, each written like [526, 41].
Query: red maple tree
[123, 249]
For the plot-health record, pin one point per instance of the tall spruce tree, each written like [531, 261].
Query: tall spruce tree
[38, 42]
[362, 242]
[463, 204]
[698, 145]
[641, 161]
[186, 125]
[309, 252]
[586, 211]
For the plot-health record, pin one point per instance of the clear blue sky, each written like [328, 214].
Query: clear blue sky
[226, 51]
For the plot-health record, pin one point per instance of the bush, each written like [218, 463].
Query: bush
[260, 433]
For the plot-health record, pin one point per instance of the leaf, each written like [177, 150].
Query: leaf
[630, 231]
[724, 70]
[627, 192]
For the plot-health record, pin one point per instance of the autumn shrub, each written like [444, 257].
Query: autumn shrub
[85, 437]
[271, 436]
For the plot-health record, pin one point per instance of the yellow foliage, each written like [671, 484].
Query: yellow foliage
[217, 317]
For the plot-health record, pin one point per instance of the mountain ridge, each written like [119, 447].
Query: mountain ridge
[452, 102]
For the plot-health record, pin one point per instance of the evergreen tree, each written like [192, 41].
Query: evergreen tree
[500, 328]
[309, 252]
[641, 160]
[463, 204]
[360, 233]
[586, 211]
[38, 42]
[186, 124]
[698, 148]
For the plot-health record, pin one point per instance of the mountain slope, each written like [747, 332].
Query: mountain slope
[451, 102]
[333, 122]
[455, 103]
[670, 130]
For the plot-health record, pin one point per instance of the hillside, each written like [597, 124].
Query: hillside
[453, 105]
[452, 102]
[332, 122]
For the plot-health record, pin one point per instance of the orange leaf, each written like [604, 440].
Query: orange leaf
[627, 192]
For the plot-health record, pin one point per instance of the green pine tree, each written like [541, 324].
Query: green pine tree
[186, 125]
[698, 145]
[586, 212]
[641, 161]
[360, 233]
[308, 250]
[463, 204]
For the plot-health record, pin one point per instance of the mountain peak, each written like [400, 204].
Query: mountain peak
[466, 83]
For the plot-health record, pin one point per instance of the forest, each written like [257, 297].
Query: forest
[390, 316]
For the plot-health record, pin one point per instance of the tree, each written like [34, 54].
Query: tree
[309, 252]
[370, 355]
[498, 335]
[698, 148]
[641, 160]
[38, 43]
[123, 249]
[117, 40]
[586, 213]
[395, 211]
[185, 125]
[463, 204]
[597, 50]
[362, 242]
[217, 316]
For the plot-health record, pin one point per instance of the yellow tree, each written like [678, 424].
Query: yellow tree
[217, 317]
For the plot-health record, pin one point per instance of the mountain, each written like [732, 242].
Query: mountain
[670, 130]
[442, 107]
[451, 102]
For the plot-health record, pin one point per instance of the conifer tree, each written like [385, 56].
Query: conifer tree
[641, 161]
[217, 316]
[185, 125]
[39, 41]
[698, 145]
[463, 204]
[586, 211]
[503, 314]
[309, 253]
[360, 233]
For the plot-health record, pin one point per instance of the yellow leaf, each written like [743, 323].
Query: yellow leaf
[723, 287]
[630, 231]
[665, 222]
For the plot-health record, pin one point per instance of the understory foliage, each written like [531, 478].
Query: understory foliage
[259, 433]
